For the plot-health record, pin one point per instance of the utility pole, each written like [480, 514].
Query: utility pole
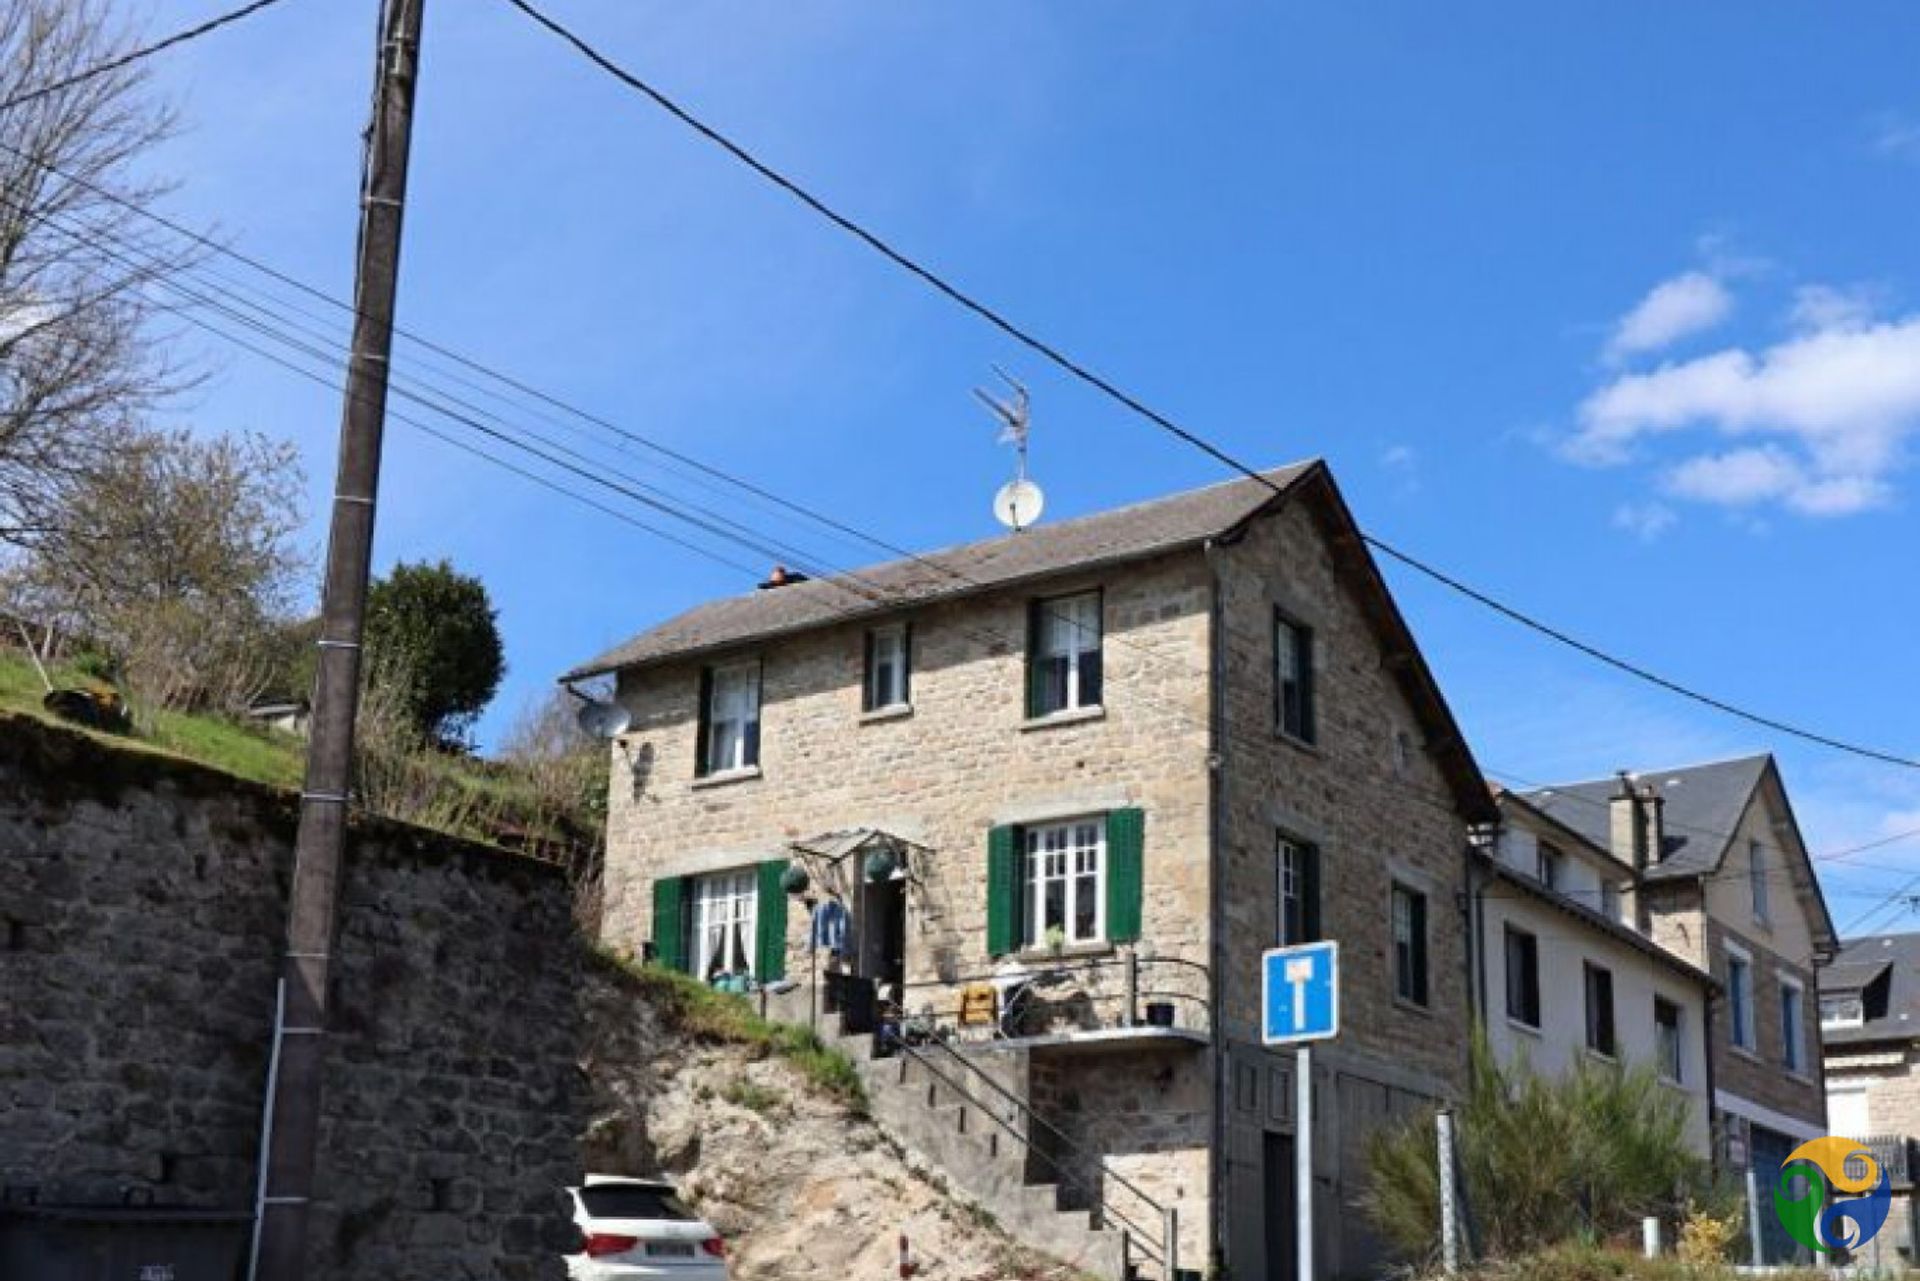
[293, 1126]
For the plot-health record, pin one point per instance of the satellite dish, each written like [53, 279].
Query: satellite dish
[604, 720]
[1018, 504]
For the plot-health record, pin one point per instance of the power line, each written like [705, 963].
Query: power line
[128, 59]
[1113, 392]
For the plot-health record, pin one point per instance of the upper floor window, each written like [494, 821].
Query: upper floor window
[1757, 878]
[1668, 1047]
[889, 663]
[1063, 654]
[1409, 914]
[729, 718]
[1066, 881]
[1793, 1052]
[1610, 900]
[1844, 1009]
[1599, 1009]
[1740, 1001]
[1293, 678]
[1551, 867]
[1523, 977]
[1299, 871]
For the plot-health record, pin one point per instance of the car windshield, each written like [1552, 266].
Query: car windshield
[633, 1201]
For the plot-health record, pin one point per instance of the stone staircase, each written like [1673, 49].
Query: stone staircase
[952, 1123]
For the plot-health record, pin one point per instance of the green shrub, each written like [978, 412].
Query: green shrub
[1546, 1161]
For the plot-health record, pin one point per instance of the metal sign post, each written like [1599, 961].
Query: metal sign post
[1300, 1004]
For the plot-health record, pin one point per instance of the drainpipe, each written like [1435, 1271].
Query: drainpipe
[1216, 900]
[1709, 1002]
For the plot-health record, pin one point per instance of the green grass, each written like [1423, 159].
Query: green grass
[696, 1010]
[245, 751]
[753, 1096]
[1597, 1263]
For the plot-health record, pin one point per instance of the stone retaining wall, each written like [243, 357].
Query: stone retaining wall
[141, 916]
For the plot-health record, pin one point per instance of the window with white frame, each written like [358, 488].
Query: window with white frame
[1599, 990]
[1793, 1051]
[888, 658]
[1409, 919]
[1668, 1047]
[1293, 678]
[724, 906]
[731, 718]
[1064, 667]
[1757, 878]
[1523, 977]
[1842, 1009]
[1066, 879]
[1740, 1000]
[1299, 872]
[1551, 866]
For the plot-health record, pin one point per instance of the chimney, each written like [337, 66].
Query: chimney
[782, 577]
[1627, 824]
[1653, 811]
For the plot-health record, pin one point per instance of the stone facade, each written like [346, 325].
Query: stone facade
[1186, 734]
[143, 905]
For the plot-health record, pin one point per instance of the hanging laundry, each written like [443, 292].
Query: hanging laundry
[830, 926]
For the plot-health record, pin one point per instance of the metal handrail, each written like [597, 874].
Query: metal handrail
[1106, 1205]
[1037, 981]
[1065, 966]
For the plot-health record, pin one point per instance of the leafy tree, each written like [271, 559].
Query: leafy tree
[174, 556]
[433, 630]
[80, 351]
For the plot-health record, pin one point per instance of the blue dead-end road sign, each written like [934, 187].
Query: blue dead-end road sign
[1300, 993]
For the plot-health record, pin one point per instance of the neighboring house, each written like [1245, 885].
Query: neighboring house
[1565, 978]
[1724, 881]
[1168, 736]
[1870, 1023]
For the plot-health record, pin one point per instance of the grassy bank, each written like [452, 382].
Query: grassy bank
[693, 1009]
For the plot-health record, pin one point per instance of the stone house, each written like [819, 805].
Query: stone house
[1563, 975]
[1054, 793]
[1723, 880]
[1870, 1027]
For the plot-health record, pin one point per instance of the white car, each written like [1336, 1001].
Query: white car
[638, 1228]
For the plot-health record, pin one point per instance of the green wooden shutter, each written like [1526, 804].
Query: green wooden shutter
[1126, 840]
[669, 922]
[1003, 890]
[866, 674]
[770, 917]
[1310, 893]
[704, 733]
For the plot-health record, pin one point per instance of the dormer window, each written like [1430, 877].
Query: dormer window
[1551, 868]
[1843, 1009]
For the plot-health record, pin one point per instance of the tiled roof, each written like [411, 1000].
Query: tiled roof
[1704, 804]
[1865, 963]
[1103, 538]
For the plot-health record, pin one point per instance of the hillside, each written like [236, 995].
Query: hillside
[766, 1135]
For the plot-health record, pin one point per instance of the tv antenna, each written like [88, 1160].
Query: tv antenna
[1019, 502]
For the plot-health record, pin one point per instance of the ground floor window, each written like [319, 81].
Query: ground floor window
[1066, 882]
[723, 923]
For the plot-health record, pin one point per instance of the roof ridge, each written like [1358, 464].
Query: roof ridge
[1651, 773]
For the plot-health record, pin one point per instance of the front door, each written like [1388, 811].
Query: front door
[1279, 1207]
[883, 932]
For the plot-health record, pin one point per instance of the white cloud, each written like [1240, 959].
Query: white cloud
[1687, 304]
[1645, 521]
[1896, 135]
[1824, 415]
[1818, 307]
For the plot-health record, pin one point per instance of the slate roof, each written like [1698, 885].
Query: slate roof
[1704, 804]
[1103, 538]
[1864, 963]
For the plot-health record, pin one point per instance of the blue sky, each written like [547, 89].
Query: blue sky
[1613, 311]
